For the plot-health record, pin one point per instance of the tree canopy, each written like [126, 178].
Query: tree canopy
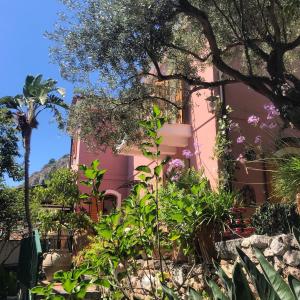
[8, 147]
[255, 42]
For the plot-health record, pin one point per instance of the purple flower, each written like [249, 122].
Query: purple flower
[272, 111]
[233, 126]
[257, 139]
[253, 120]
[186, 153]
[176, 164]
[241, 139]
[272, 125]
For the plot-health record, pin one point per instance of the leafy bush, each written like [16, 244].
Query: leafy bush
[184, 210]
[275, 218]
[287, 178]
[11, 210]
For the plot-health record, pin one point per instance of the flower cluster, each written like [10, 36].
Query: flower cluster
[272, 111]
[175, 169]
[186, 153]
[253, 120]
[241, 139]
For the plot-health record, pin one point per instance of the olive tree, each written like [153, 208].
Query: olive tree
[127, 42]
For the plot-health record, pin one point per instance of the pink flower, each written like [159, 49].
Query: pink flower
[253, 120]
[272, 111]
[257, 139]
[186, 153]
[241, 159]
[175, 164]
[175, 177]
[241, 139]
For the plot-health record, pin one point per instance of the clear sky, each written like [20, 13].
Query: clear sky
[24, 50]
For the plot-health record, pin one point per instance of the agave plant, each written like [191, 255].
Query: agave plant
[269, 284]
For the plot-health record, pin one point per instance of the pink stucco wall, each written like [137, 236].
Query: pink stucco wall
[204, 133]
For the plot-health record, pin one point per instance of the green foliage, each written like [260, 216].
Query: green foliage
[94, 177]
[190, 177]
[286, 179]
[269, 284]
[72, 282]
[123, 47]
[11, 210]
[8, 146]
[60, 188]
[275, 218]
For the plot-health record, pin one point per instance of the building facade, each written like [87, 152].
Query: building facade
[252, 128]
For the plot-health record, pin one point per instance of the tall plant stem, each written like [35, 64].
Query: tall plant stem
[157, 219]
[27, 142]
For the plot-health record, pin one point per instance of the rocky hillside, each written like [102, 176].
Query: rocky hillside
[52, 165]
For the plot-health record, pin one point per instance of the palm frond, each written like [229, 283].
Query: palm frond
[10, 102]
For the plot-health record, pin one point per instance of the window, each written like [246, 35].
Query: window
[109, 204]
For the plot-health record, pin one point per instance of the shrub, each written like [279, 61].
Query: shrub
[287, 178]
[275, 218]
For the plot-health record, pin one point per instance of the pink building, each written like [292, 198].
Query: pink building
[197, 131]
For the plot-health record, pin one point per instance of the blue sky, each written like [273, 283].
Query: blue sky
[24, 50]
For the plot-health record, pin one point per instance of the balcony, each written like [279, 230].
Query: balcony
[174, 136]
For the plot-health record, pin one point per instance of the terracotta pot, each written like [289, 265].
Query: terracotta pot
[56, 260]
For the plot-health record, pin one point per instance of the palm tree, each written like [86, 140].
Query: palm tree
[37, 96]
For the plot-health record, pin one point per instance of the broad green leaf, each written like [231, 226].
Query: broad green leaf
[156, 110]
[169, 292]
[89, 173]
[216, 291]
[193, 295]
[295, 286]
[144, 169]
[39, 290]
[57, 297]
[106, 233]
[241, 289]
[157, 170]
[147, 154]
[69, 285]
[81, 290]
[263, 287]
[177, 217]
[227, 282]
[102, 282]
[279, 285]
[159, 140]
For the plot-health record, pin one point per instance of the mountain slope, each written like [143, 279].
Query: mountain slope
[39, 176]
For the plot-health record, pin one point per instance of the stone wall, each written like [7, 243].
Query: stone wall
[282, 251]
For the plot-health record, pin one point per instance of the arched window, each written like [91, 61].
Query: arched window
[109, 204]
[112, 200]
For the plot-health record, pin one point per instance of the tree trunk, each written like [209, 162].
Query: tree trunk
[27, 141]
